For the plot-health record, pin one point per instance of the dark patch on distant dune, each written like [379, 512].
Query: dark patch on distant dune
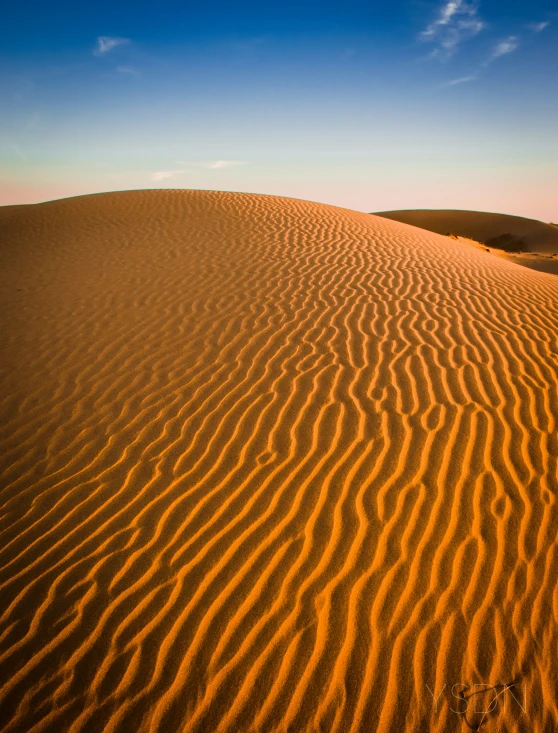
[508, 242]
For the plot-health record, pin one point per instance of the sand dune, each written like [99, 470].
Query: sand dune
[269, 465]
[513, 234]
[485, 227]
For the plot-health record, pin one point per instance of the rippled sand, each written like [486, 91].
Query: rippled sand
[269, 465]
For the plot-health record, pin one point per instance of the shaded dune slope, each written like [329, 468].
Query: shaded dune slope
[495, 230]
[270, 465]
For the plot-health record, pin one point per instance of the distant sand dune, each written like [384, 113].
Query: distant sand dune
[269, 465]
[536, 241]
[483, 226]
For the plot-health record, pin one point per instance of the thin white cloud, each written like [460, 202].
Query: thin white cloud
[457, 20]
[162, 175]
[214, 164]
[538, 27]
[107, 43]
[508, 45]
[460, 80]
[444, 18]
[224, 163]
[14, 148]
[211, 165]
[127, 70]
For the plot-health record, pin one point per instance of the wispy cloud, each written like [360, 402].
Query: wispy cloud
[446, 17]
[127, 70]
[460, 80]
[13, 149]
[508, 45]
[211, 165]
[456, 21]
[538, 27]
[223, 163]
[107, 43]
[162, 175]
[214, 164]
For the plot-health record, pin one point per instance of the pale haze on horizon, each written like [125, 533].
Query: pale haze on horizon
[370, 107]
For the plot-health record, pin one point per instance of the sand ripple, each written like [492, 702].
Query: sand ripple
[269, 465]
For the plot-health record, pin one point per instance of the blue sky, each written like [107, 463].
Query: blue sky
[372, 106]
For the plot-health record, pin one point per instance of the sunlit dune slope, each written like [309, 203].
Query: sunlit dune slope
[269, 465]
[496, 230]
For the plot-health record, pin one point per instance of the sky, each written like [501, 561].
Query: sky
[368, 105]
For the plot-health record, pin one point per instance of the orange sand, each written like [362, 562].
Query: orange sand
[526, 242]
[269, 465]
[535, 236]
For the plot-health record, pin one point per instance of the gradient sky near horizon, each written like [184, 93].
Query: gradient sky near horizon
[368, 105]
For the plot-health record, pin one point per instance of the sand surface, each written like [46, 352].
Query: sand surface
[270, 465]
[482, 226]
[526, 242]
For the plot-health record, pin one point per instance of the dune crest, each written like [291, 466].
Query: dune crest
[270, 465]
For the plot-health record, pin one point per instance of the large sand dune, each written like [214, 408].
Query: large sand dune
[270, 465]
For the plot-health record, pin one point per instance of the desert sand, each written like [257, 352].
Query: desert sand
[270, 465]
[527, 242]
